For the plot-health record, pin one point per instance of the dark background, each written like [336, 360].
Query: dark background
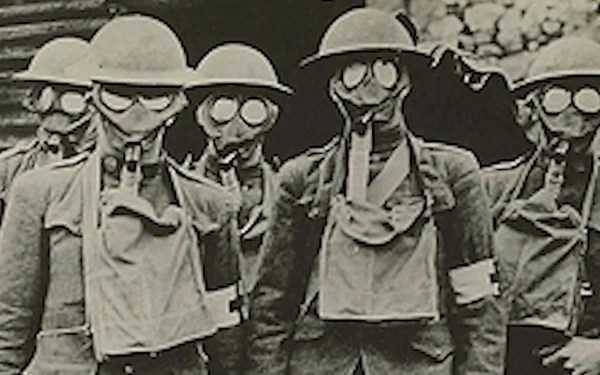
[440, 107]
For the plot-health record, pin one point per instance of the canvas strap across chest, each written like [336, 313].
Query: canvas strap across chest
[542, 257]
[370, 254]
[144, 284]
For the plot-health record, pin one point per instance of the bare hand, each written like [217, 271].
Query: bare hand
[581, 356]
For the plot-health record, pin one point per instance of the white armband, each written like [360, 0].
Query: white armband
[219, 304]
[473, 282]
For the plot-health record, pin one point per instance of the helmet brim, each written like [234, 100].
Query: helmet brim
[177, 78]
[28, 76]
[342, 54]
[523, 87]
[199, 83]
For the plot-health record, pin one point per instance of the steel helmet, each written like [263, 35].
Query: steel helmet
[59, 61]
[140, 51]
[363, 30]
[238, 65]
[565, 57]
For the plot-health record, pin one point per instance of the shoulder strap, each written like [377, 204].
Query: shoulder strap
[90, 233]
[394, 172]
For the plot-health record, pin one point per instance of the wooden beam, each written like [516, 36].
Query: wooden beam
[46, 9]
[50, 28]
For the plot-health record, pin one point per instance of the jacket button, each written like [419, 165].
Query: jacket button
[128, 369]
[153, 355]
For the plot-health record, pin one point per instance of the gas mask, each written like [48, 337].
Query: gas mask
[64, 114]
[236, 123]
[568, 110]
[133, 124]
[371, 90]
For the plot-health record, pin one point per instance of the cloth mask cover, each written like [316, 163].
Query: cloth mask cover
[236, 124]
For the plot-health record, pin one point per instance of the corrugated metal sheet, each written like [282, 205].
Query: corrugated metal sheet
[24, 26]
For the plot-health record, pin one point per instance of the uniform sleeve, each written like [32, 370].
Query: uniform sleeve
[221, 273]
[478, 321]
[274, 304]
[21, 276]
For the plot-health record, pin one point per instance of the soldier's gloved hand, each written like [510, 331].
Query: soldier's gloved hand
[580, 356]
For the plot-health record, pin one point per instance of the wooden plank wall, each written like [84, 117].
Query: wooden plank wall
[24, 26]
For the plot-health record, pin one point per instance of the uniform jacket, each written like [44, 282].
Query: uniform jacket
[41, 275]
[502, 182]
[474, 333]
[15, 161]
[234, 340]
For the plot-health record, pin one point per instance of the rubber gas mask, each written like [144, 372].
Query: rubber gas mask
[236, 122]
[371, 89]
[569, 110]
[134, 122]
[64, 114]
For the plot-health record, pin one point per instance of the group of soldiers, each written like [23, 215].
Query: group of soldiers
[379, 253]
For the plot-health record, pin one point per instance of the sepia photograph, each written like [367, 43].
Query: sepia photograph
[300, 187]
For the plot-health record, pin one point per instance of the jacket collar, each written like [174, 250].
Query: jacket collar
[328, 179]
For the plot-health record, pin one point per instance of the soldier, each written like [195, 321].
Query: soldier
[58, 96]
[101, 255]
[238, 96]
[547, 219]
[378, 257]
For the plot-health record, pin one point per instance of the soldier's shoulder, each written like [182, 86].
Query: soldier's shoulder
[452, 161]
[505, 166]
[448, 151]
[17, 151]
[500, 176]
[307, 161]
[193, 177]
[71, 163]
[58, 174]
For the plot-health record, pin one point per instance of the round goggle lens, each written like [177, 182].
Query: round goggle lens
[254, 112]
[587, 100]
[45, 99]
[73, 103]
[353, 75]
[156, 103]
[223, 110]
[115, 101]
[556, 100]
[385, 73]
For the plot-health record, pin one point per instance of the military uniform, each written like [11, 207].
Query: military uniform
[545, 210]
[16, 160]
[43, 284]
[532, 307]
[50, 68]
[236, 105]
[19, 159]
[109, 262]
[289, 333]
[257, 184]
